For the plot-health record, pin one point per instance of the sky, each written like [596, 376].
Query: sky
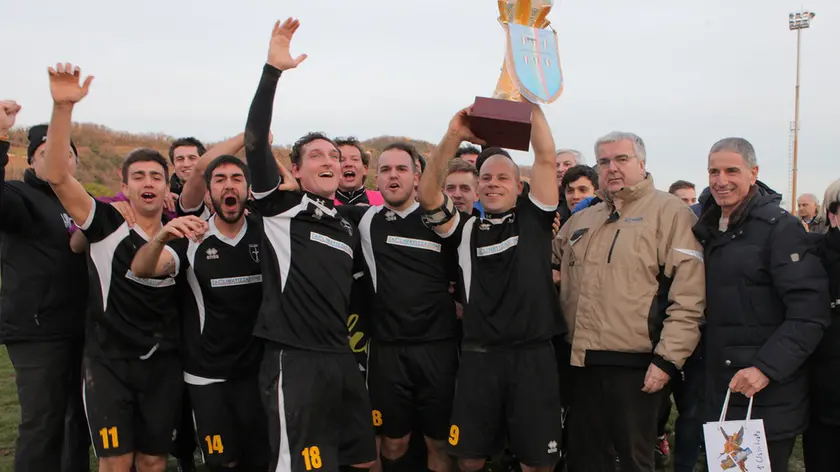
[679, 74]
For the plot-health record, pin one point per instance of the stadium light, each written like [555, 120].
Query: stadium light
[797, 21]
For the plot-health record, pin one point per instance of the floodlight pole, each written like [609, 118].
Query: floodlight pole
[798, 22]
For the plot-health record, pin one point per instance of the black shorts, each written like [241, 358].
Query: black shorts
[412, 384]
[133, 405]
[511, 395]
[230, 422]
[319, 415]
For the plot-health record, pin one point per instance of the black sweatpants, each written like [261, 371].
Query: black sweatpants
[52, 434]
[610, 415]
[780, 452]
[820, 444]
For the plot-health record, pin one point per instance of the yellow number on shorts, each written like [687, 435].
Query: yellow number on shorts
[312, 457]
[454, 434]
[214, 444]
[377, 418]
[109, 433]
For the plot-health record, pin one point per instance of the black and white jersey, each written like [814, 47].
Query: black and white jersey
[308, 266]
[221, 304]
[410, 270]
[506, 282]
[129, 317]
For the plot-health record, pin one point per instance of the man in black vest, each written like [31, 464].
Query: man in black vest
[42, 306]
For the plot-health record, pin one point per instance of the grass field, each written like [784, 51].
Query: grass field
[10, 413]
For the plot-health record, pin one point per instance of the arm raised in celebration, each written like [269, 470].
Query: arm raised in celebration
[66, 91]
[265, 175]
[543, 175]
[430, 195]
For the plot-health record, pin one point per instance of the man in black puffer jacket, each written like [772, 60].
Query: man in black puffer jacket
[767, 300]
[823, 435]
[42, 309]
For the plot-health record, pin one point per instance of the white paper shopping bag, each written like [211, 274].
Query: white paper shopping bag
[736, 446]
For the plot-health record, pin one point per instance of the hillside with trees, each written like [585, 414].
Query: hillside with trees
[101, 151]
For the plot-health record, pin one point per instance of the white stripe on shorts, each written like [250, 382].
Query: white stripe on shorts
[284, 458]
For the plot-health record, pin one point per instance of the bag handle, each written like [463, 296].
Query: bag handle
[726, 406]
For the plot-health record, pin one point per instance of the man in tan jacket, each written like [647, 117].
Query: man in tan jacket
[632, 289]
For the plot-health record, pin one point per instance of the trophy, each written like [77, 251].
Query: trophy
[531, 71]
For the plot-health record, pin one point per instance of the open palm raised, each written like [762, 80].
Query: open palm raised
[64, 83]
[278, 50]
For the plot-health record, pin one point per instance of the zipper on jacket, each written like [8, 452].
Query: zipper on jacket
[609, 257]
[37, 321]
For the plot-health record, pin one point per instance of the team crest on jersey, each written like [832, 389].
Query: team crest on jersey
[347, 226]
[254, 251]
[390, 215]
[318, 214]
[484, 226]
[212, 253]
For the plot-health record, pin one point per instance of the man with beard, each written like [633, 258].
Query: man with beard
[132, 373]
[413, 354]
[354, 162]
[318, 407]
[42, 308]
[221, 355]
[508, 386]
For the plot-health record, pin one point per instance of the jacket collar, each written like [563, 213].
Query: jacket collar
[29, 178]
[628, 194]
[759, 198]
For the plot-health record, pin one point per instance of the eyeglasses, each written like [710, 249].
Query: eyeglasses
[619, 160]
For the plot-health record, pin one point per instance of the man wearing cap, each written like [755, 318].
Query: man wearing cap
[42, 309]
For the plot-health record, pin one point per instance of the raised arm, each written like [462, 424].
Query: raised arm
[152, 261]
[192, 195]
[66, 92]
[429, 191]
[543, 175]
[265, 175]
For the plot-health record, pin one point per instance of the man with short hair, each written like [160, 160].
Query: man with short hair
[684, 190]
[222, 357]
[413, 354]
[468, 153]
[354, 162]
[564, 160]
[461, 185]
[42, 309]
[132, 373]
[579, 183]
[809, 211]
[631, 288]
[318, 409]
[183, 154]
[508, 388]
[768, 301]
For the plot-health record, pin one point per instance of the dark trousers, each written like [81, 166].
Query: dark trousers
[610, 416]
[820, 444]
[779, 452]
[688, 429]
[53, 433]
[184, 446]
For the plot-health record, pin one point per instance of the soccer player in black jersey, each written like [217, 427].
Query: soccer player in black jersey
[508, 387]
[132, 373]
[318, 408]
[225, 290]
[413, 355]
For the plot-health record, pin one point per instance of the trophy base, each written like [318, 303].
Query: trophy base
[502, 123]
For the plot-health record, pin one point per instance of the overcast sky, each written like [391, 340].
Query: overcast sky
[680, 74]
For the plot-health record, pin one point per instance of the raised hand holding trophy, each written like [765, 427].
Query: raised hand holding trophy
[531, 72]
